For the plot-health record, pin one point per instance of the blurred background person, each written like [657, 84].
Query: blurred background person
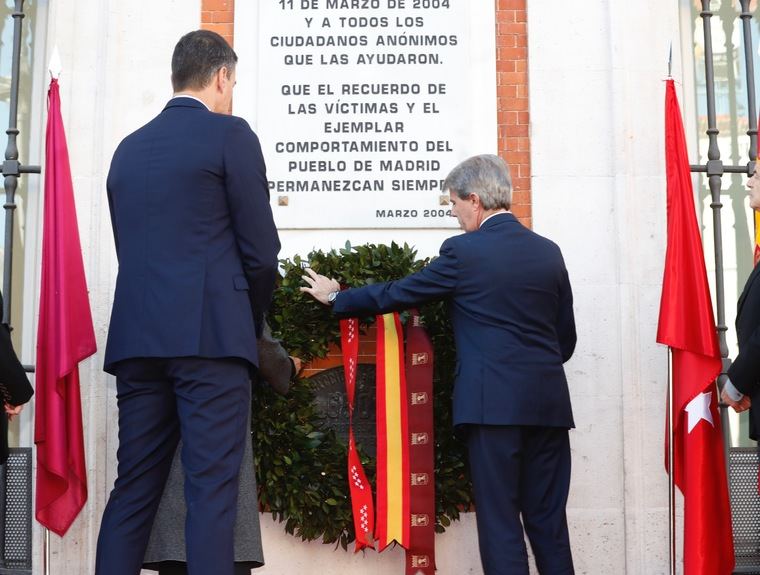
[166, 549]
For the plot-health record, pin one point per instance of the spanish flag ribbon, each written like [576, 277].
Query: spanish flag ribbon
[393, 479]
[360, 489]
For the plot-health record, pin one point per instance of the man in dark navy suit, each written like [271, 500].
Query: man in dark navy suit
[512, 313]
[742, 390]
[197, 250]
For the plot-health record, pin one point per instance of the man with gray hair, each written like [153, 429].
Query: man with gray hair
[512, 313]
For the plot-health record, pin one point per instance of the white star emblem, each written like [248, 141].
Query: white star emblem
[699, 408]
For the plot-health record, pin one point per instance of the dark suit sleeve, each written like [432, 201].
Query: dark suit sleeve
[275, 366]
[566, 318]
[14, 384]
[435, 281]
[252, 222]
[744, 372]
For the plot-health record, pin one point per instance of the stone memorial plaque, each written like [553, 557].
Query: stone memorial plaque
[331, 402]
[363, 106]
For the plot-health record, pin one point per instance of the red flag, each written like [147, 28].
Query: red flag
[687, 325]
[64, 338]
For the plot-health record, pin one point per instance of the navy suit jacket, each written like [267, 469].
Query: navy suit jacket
[745, 370]
[196, 242]
[512, 313]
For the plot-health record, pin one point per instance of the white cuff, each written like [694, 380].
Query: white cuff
[732, 392]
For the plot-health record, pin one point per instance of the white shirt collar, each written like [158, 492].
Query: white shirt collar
[492, 215]
[192, 98]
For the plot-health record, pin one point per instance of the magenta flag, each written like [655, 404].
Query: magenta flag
[65, 337]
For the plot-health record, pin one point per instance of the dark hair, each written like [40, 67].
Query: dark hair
[197, 57]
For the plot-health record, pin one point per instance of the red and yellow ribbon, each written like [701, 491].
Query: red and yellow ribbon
[393, 480]
[405, 447]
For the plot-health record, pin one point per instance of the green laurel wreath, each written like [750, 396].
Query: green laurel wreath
[301, 467]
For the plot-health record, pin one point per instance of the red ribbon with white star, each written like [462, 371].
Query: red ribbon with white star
[361, 492]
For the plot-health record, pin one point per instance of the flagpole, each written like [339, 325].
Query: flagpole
[671, 438]
[46, 551]
[671, 472]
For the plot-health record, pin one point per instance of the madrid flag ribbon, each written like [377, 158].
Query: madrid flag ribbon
[65, 337]
[362, 505]
[687, 326]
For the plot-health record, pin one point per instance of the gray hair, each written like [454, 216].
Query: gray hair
[485, 175]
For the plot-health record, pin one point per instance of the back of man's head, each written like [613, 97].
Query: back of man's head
[486, 175]
[197, 57]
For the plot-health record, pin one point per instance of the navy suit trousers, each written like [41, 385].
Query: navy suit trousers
[206, 402]
[521, 471]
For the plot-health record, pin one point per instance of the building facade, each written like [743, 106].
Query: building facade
[578, 115]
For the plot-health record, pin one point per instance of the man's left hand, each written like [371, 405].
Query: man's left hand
[12, 410]
[319, 286]
[742, 405]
